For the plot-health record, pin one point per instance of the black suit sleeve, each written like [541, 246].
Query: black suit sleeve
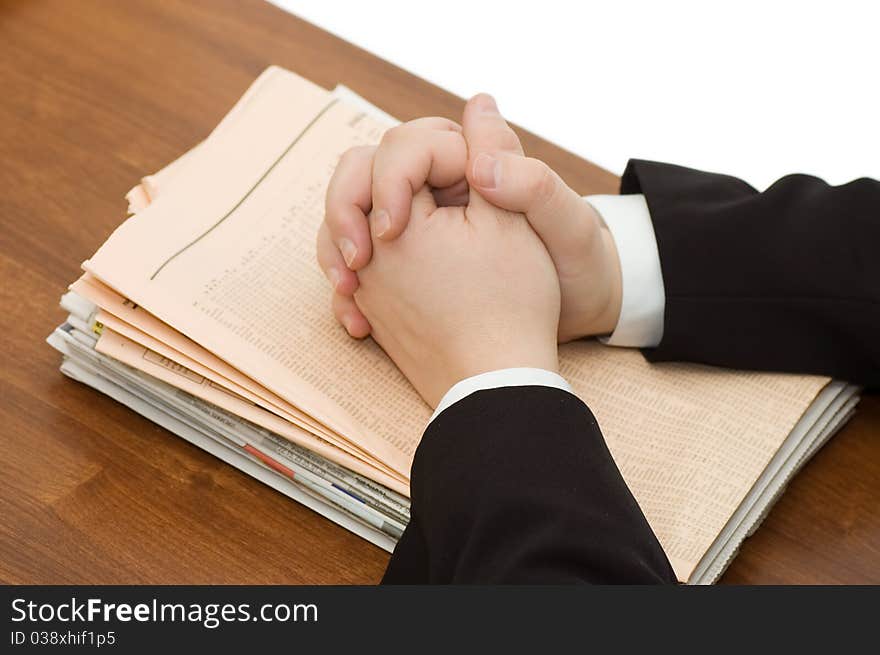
[516, 485]
[784, 280]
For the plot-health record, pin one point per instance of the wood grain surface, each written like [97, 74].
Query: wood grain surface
[93, 96]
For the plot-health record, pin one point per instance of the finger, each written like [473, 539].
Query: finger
[343, 280]
[408, 158]
[561, 217]
[347, 203]
[347, 313]
[434, 123]
[452, 196]
[485, 129]
[423, 205]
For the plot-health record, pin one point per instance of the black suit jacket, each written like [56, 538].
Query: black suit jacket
[517, 485]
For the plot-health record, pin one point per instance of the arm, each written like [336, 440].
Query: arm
[784, 280]
[516, 485]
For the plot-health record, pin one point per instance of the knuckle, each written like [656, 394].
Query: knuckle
[392, 135]
[508, 140]
[363, 151]
[337, 218]
[442, 123]
[348, 156]
[340, 304]
[456, 139]
[332, 202]
[355, 155]
[544, 183]
[323, 254]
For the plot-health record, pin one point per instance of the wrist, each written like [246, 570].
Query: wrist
[502, 378]
[478, 359]
[609, 312]
[634, 315]
[593, 292]
[547, 360]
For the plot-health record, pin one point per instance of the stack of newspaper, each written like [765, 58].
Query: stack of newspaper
[205, 312]
[357, 503]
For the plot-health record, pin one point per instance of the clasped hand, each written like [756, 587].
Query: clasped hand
[460, 255]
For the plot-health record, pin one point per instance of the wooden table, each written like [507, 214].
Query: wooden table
[96, 94]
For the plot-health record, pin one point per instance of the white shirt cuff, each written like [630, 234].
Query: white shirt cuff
[644, 299]
[505, 377]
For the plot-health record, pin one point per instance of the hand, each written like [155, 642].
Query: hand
[427, 151]
[581, 247]
[462, 291]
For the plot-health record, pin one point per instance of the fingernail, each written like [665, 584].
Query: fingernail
[348, 250]
[334, 277]
[486, 104]
[381, 222]
[487, 171]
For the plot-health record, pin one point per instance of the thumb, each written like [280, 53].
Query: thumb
[485, 131]
[566, 223]
[500, 174]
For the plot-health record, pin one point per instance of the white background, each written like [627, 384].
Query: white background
[755, 89]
